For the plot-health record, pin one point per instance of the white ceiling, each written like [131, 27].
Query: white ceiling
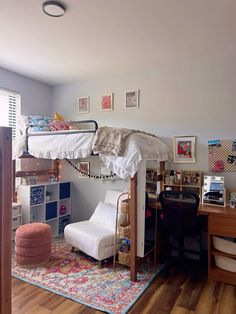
[98, 38]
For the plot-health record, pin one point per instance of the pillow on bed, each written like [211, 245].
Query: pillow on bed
[58, 125]
[38, 123]
[57, 116]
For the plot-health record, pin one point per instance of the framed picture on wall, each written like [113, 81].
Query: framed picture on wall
[184, 149]
[132, 99]
[104, 170]
[83, 104]
[84, 169]
[107, 102]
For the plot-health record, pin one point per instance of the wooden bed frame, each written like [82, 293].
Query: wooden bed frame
[5, 218]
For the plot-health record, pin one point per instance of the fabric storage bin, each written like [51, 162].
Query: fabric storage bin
[224, 245]
[124, 207]
[226, 263]
[124, 230]
[124, 258]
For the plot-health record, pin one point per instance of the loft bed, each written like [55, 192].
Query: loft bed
[58, 144]
[121, 150]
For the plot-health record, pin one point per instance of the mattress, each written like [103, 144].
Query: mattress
[52, 145]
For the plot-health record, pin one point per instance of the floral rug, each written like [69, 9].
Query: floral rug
[77, 277]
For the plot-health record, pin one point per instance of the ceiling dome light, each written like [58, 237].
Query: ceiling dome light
[53, 8]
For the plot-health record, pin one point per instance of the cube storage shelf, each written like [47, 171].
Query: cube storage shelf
[46, 202]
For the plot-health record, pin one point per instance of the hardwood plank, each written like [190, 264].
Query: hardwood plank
[180, 310]
[154, 288]
[38, 309]
[227, 303]
[68, 307]
[190, 295]
[210, 298]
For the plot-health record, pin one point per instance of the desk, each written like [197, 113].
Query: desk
[221, 222]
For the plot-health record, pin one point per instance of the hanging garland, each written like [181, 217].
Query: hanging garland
[88, 175]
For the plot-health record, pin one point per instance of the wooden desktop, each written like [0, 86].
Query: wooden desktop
[221, 222]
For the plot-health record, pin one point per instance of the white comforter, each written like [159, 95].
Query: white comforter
[74, 145]
[67, 144]
[139, 146]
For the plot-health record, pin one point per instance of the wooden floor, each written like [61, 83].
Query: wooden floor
[175, 295]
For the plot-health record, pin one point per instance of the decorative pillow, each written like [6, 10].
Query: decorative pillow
[57, 116]
[38, 124]
[104, 215]
[73, 126]
[58, 125]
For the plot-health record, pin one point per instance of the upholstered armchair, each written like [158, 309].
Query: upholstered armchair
[95, 236]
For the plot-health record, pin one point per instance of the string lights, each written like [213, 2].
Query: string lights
[88, 175]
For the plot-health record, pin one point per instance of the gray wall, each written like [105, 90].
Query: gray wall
[36, 96]
[192, 98]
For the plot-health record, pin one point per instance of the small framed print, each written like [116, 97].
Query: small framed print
[83, 104]
[84, 169]
[104, 170]
[184, 149]
[107, 102]
[132, 99]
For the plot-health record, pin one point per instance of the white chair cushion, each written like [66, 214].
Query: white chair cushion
[111, 197]
[93, 239]
[104, 215]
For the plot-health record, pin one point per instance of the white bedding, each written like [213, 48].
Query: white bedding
[139, 146]
[74, 145]
[68, 144]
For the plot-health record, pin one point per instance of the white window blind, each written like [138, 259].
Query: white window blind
[10, 108]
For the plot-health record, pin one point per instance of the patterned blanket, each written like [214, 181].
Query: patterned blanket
[111, 141]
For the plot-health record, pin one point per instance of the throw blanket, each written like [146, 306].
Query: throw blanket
[112, 141]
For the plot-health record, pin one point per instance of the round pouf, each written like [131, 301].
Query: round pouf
[33, 244]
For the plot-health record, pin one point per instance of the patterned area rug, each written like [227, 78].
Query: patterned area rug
[77, 277]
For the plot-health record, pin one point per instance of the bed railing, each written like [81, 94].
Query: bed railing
[79, 122]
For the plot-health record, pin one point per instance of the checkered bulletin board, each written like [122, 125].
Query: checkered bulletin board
[222, 155]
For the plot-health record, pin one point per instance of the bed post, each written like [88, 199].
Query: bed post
[5, 218]
[133, 228]
[56, 168]
[14, 197]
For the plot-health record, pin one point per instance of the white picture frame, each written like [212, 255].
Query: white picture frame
[84, 166]
[132, 99]
[104, 171]
[83, 104]
[107, 102]
[184, 149]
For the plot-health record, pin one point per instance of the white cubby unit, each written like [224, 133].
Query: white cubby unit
[46, 202]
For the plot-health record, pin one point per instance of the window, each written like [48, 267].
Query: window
[10, 105]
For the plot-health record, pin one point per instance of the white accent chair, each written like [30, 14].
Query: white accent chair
[95, 236]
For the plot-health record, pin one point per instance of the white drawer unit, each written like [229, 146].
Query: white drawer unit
[16, 218]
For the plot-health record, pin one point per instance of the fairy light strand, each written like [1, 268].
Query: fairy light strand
[88, 175]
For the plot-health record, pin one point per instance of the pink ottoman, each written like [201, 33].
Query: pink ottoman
[33, 244]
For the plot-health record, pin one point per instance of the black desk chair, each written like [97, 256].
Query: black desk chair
[180, 220]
